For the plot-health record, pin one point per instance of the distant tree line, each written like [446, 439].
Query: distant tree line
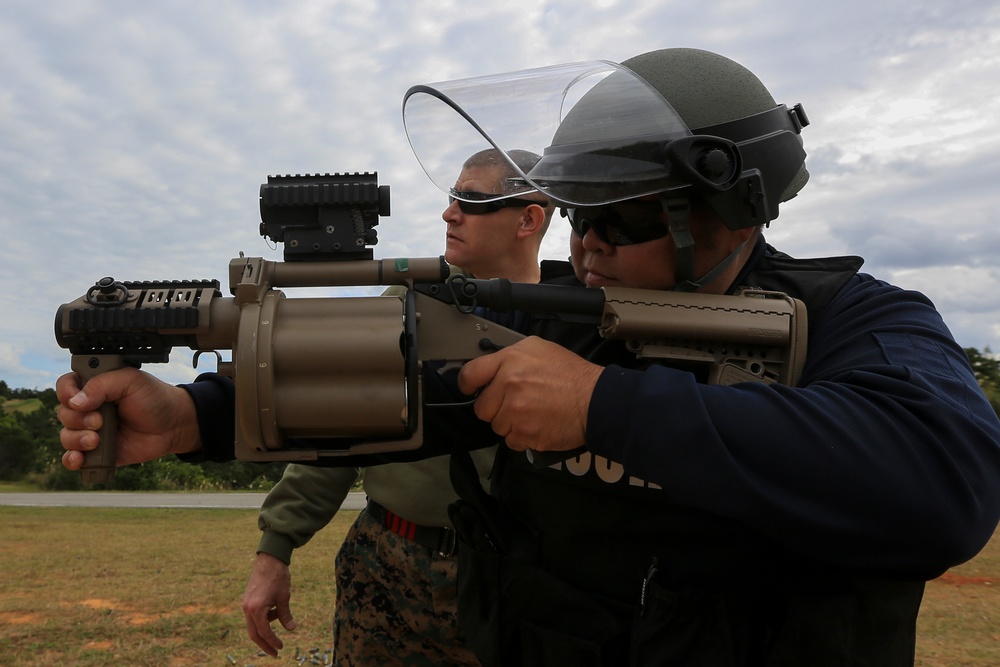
[30, 449]
[30, 452]
[987, 368]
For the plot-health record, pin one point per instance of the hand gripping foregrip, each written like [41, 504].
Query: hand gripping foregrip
[99, 464]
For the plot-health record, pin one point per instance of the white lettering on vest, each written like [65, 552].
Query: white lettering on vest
[608, 471]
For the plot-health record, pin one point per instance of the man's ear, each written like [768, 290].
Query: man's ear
[530, 222]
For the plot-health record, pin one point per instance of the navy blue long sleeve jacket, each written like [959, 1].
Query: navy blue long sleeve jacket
[886, 455]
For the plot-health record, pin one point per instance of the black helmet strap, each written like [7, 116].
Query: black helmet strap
[678, 210]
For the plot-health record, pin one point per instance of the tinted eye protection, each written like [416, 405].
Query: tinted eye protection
[486, 207]
[622, 223]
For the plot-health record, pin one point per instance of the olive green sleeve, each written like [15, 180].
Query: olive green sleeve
[303, 501]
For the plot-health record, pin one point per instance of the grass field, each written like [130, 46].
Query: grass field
[148, 587]
[25, 405]
[162, 587]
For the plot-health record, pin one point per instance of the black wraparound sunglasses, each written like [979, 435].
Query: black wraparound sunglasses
[623, 223]
[486, 207]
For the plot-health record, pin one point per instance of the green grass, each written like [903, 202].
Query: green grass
[25, 405]
[959, 622]
[147, 587]
[159, 587]
[19, 487]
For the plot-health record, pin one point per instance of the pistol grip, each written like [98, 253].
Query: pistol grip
[99, 464]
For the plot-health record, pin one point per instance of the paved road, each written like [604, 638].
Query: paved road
[355, 501]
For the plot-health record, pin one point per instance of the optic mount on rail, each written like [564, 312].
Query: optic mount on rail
[323, 217]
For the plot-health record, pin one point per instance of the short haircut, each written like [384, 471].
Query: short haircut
[492, 157]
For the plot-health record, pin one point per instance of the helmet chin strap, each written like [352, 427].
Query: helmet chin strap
[678, 210]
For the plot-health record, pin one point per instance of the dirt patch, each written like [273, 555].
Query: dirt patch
[959, 580]
[133, 617]
[142, 619]
[14, 618]
[98, 604]
[202, 609]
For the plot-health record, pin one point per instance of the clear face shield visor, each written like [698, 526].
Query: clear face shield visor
[599, 128]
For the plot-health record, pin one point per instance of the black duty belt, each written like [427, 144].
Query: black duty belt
[439, 540]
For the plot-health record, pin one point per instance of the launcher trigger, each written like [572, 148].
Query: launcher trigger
[450, 366]
[485, 344]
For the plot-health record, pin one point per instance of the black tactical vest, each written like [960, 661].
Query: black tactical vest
[581, 564]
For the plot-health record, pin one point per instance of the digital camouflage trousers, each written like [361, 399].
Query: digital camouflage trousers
[396, 602]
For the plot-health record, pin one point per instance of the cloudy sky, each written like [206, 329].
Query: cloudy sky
[134, 136]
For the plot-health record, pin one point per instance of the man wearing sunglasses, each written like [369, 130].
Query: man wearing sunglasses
[748, 524]
[620, 244]
[496, 237]
[396, 570]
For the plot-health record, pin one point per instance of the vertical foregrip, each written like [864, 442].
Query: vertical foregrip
[99, 464]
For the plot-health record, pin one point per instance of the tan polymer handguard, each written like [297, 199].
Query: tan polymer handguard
[751, 336]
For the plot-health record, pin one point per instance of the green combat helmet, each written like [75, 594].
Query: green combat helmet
[717, 96]
[743, 155]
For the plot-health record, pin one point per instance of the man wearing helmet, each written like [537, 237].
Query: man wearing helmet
[720, 525]
[690, 523]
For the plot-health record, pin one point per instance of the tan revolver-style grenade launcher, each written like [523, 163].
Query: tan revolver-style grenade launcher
[320, 377]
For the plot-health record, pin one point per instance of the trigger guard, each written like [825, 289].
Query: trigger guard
[194, 359]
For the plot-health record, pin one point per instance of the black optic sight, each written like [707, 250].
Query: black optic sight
[323, 217]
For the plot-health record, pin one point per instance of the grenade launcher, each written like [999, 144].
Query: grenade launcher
[347, 370]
